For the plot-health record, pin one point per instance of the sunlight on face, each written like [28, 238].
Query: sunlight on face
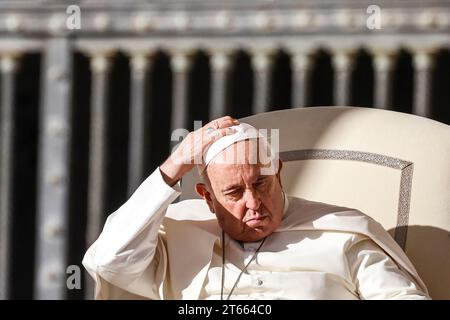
[248, 204]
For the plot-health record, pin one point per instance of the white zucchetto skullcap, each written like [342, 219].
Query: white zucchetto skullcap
[243, 131]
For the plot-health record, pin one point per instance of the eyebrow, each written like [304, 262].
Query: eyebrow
[232, 187]
[262, 178]
[236, 186]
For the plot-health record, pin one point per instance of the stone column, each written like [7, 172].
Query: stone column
[100, 67]
[383, 62]
[181, 65]
[262, 67]
[423, 61]
[54, 171]
[220, 72]
[343, 67]
[140, 64]
[301, 63]
[8, 69]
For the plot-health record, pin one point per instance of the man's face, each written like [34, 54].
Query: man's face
[247, 204]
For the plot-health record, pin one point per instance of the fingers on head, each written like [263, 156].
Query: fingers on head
[223, 122]
[223, 132]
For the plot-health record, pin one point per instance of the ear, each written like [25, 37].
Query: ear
[202, 191]
[280, 165]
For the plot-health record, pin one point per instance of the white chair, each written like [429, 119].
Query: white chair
[392, 166]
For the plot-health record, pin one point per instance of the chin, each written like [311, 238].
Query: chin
[256, 234]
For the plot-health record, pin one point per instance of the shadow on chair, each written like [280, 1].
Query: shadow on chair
[430, 244]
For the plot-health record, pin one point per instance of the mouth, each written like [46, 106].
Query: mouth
[255, 222]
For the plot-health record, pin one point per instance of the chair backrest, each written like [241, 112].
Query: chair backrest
[395, 167]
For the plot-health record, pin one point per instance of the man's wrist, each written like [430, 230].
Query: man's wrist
[172, 172]
[167, 179]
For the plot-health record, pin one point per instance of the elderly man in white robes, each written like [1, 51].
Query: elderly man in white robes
[246, 239]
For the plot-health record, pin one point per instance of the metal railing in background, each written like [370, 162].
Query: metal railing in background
[140, 29]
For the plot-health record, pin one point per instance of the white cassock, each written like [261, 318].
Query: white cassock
[152, 249]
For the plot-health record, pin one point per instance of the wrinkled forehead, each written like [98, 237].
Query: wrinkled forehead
[250, 154]
[233, 174]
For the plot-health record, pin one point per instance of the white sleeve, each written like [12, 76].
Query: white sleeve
[377, 276]
[129, 240]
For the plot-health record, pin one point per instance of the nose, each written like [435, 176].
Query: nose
[252, 199]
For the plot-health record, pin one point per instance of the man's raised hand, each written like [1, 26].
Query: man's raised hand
[190, 150]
